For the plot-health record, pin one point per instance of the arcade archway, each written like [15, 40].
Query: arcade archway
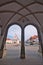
[32, 41]
[12, 46]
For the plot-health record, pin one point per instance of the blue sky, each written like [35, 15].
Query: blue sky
[30, 30]
[15, 29]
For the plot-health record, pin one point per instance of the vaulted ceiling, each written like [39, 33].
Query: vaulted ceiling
[17, 10]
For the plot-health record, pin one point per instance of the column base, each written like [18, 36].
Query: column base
[42, 54]
[1, 53]
[42, 51]
[22, 57]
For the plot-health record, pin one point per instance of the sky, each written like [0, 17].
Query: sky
[29, 31]
[14, 29]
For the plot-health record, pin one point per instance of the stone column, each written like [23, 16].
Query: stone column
[1, 53]
[22, 56]
[41, 43]
[1, 50]
[2, 44]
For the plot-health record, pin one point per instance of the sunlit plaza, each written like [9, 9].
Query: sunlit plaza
[12, 51]
[11, 55]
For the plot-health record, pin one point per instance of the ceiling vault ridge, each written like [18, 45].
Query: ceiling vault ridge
[8, 21]
[13, 12]
[37, 19]
[23, 17]
[40, 3]
[9, 11]
[11, 18]
[37, 12]
[33, 15]
[23, 6]
[20, 3]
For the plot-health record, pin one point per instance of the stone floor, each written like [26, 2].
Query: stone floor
[18, 61]
[32, 57]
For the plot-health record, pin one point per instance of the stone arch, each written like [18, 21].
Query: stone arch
[5, 35]
[6, 31]
[39, 34]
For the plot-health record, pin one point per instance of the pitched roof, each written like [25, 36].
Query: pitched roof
[8, 39]
[34, 37]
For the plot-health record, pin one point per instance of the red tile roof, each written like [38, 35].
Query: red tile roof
[8, 39]
[34, 37]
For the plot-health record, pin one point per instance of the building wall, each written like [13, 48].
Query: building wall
[9, 41]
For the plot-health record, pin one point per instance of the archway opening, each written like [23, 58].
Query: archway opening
[13, 42]
[32, 44]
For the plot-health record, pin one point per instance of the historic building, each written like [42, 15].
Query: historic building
[33, 39]
[16, 40]
[9, 41]
[22, 13]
